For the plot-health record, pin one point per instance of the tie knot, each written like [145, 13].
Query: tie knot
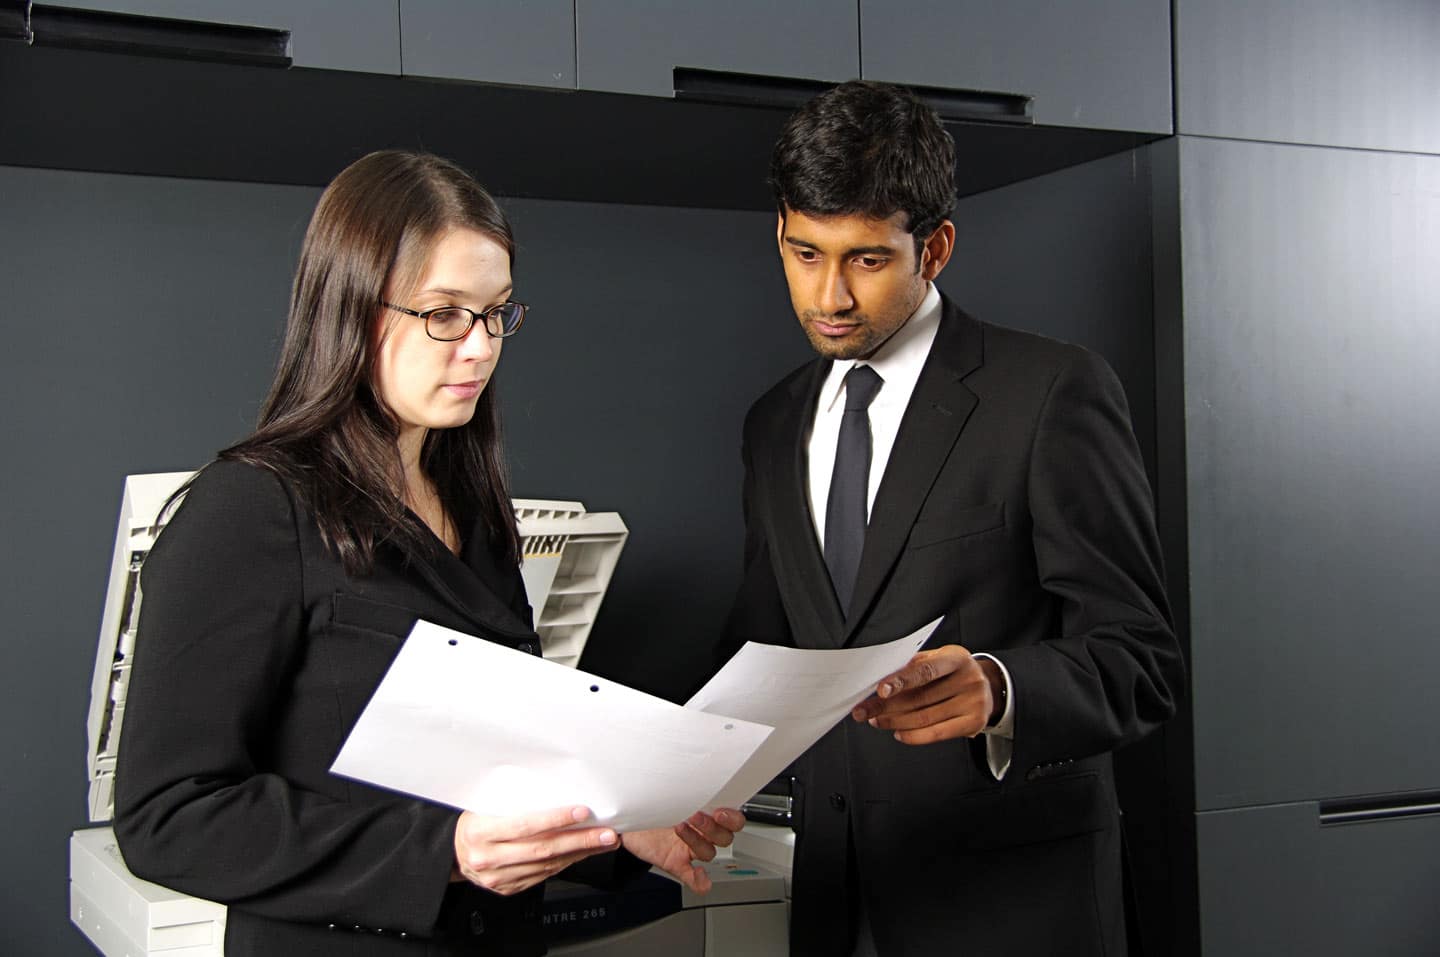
[861, 384]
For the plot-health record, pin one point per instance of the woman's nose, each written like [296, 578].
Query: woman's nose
[477, 344]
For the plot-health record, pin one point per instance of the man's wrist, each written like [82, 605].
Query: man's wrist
[998, 690]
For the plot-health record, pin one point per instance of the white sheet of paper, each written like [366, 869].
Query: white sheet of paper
[801, 693]
[477, 726]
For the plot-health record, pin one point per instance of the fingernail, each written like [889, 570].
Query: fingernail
[579, 814]
[607, 837]
[874, 723]
[885, 690]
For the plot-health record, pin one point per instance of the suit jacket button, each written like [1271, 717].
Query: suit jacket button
[837, 801]
[477, 923]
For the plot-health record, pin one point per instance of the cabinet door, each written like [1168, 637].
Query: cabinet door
[1102, 64]
[363, 36]
[1310, 343]
[634, 47]
[1278, 880]
[491, 41]
[1326, 72]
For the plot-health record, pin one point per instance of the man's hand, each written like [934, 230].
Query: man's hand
[674, 850]
[940, 694]
[510, 854]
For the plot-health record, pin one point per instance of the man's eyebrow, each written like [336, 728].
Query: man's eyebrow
[878, 250]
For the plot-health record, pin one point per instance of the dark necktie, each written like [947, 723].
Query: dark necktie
[849, 483]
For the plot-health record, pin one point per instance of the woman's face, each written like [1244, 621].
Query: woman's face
[435, 385]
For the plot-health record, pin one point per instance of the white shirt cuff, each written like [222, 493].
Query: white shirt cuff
[1000, 739]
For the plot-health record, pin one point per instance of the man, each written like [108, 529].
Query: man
[975, 472]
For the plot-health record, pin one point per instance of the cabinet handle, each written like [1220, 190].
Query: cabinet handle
[1380, 807]
[157, 36]
[15, 20]
[748, 89]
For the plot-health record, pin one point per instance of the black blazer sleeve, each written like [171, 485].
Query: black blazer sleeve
[222, 637]
[1112, 670]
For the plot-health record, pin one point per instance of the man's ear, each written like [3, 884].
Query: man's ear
[935, 251]
[780, 232]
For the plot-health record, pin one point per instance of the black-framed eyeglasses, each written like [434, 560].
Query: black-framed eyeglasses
[448, 323]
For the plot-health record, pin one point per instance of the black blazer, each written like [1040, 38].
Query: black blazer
[256, 654]
[1016, 505]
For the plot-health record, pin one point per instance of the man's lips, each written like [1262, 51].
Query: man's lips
[833, 328]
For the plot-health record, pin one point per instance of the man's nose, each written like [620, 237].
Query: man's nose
[835, 295]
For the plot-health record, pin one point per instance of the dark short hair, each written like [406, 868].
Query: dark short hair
[870, 149]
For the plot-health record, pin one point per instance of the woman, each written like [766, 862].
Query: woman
[373, 493]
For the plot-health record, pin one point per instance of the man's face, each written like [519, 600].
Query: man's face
[853, 280]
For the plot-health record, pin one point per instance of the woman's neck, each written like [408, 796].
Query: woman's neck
[421, 495]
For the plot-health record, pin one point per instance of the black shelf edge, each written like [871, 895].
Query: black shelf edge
[119, 113]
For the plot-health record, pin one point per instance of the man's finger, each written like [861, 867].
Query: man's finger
[925, 667]
[937, 713]
[967, 726]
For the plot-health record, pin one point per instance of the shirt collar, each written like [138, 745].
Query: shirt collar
[899, 360]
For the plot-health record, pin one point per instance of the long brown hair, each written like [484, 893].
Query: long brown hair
[323, 427]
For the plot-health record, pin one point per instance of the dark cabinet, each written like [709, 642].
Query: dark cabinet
[1310, 299]
[1280, 880]
[1102, 64]
[364, 36]
[634, 47]
[492, 41]
[1327, 72]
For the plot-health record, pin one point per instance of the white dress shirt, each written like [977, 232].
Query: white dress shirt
[898, 363]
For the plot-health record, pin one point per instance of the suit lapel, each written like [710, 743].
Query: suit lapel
[938, 410]
[464, 586]
[816, 616]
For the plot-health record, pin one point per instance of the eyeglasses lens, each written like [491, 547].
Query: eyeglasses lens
[447, 324]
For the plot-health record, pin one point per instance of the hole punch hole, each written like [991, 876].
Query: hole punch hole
[729, 727]
[453, 642]
[594, 687]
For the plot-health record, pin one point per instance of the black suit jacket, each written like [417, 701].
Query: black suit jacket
[256, 654]
[1015, 504]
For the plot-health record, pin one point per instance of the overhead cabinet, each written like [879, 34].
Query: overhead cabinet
[490, 41]
[1323, 72]
[1102, 64]
[364, 36]
[636, 46]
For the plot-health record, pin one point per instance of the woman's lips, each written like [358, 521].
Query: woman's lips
[465, 390]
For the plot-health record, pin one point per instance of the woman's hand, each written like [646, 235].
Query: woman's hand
[674, 850]
[510, 854]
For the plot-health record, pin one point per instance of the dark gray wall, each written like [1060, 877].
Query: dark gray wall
[176, 295]
[653, 329]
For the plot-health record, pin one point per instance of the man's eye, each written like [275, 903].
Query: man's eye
[806, 255]
[871, 262]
